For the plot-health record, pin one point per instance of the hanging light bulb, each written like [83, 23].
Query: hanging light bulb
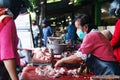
[71, 2]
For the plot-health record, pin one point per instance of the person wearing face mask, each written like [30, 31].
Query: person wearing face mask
[8, 55]
[95, 50]
[81, 34]
[9, 58]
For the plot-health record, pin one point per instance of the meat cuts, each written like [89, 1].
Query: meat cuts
[55, 73]
[41, 55]
[50, 72]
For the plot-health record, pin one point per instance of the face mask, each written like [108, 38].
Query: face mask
[81, 34]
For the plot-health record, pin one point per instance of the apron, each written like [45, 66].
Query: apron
[100, 67]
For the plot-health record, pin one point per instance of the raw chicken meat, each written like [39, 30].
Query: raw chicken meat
[41, 55]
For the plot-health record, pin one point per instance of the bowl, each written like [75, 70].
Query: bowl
[57, 48]
[54, 40]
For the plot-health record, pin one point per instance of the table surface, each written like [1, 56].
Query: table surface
[29, 74]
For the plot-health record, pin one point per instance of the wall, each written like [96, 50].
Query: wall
[111, 28]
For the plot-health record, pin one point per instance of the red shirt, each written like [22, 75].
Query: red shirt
[8, 42]
[115, 42]
[97, 44]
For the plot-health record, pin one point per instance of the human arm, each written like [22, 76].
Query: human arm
[73, 59]
[11, 68]
[78, 57]
[50, 30]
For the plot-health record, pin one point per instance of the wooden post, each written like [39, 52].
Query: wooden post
[42, 15]
[98, 12]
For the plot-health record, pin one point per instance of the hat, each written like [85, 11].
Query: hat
[44, 21]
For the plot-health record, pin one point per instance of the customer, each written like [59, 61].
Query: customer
[35, 30]
[95, 50]
[47, 31]
[8, 49]
[9, 57]
[115, 42]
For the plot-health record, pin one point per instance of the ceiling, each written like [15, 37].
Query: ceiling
[63, 7]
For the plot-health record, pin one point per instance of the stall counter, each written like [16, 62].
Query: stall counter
[29, 73]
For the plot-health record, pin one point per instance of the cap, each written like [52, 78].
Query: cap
[44, 21]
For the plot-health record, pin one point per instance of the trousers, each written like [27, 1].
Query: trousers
[3, 72]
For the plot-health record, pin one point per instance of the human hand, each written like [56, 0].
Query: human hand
[58, 63]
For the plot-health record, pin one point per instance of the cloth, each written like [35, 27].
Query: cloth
[71, 33]
[95, 43]
[46, 33]
[8, 42]
[115, 42]
[100, 67]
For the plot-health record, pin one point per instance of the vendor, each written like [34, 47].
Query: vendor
[47, 31]
[71, 33]
[95, 50]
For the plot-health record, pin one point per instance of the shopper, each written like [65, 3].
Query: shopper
[9, 57]
[35, 30]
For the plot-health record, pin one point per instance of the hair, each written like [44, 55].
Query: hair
[85, 20]
[15, 6]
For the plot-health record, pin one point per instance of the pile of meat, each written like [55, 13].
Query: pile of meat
[41, 55]
[48, 71]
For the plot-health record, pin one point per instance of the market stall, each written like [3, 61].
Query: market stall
[30, 74]
[42, 60]
[41, 66]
